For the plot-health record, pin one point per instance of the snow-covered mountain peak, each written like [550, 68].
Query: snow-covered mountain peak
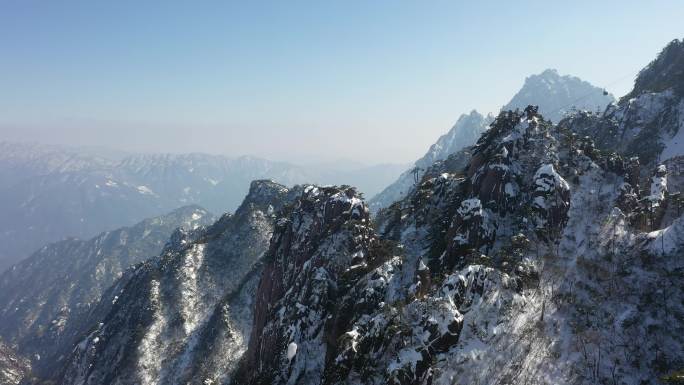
[549, 73]
[550, 78]
[557, 95]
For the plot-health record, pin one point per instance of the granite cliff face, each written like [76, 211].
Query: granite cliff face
[317, 253]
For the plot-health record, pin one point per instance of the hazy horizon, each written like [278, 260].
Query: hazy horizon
[115, 154]
[298, 82]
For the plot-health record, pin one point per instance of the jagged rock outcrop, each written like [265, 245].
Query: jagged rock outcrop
[184, 316]
[464, 133]
[616, 247]
[663, 73]
[551, 200]
[13, 368]
[382, 321]
[317, 253]
[46, 300]
[551, 282]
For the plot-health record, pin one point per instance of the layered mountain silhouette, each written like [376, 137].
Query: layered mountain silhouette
[48, 193]
[543, 253]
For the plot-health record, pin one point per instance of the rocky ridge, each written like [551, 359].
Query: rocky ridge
[187, 313]
[496, 276]
[50, 299]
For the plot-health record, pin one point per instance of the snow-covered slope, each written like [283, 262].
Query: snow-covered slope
[558, 95]
[552, 229]
[185, 315]
[13, 368]
[47, 299]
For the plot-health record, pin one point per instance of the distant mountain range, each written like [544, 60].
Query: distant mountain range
[51, 192]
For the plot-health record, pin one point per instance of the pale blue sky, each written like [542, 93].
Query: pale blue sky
[375, 81]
